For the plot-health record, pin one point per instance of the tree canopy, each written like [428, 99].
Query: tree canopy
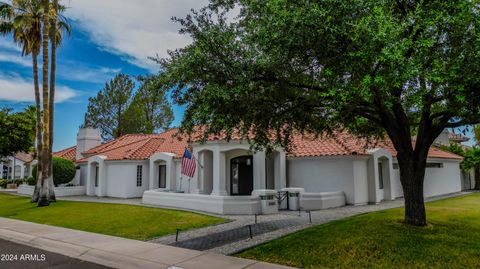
[16, 132]
[370, 67]
[118, 110]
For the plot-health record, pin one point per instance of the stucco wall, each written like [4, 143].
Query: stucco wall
[122, 179]
[438, 181]
[322, 175]
[360, 176]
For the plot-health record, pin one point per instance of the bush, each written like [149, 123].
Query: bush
[3, 183]
[63, 171]
[31, 181]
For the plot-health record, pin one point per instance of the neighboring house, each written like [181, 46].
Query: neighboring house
[16, 167]
[231, 179]
[446, 138]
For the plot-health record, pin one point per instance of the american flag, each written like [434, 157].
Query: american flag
[188, 164]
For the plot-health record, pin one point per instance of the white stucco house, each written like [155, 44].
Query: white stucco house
[231, 179]
[16, 167]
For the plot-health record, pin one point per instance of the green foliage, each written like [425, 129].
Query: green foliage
[381, 240]
[372, 67]
[151, 100]
[471, 159]
[31, 181]
[135, 222]
[107, 111]
[16, 132]
[117, 111]
[476, 133]
[454, 148]
[63, 171]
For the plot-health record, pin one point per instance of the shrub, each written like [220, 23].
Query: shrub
[31, 181]
[63, 171]
[3, 183]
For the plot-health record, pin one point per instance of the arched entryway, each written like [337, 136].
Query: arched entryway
[241, 175]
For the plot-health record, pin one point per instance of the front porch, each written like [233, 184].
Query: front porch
[226, 176]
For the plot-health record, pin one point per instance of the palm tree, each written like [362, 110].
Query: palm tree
[33, 24]
[23, 18]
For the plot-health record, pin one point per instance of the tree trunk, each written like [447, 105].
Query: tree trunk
[36, 192]
[412, 174]
[477, 177]
[43, 200]
[53, 70]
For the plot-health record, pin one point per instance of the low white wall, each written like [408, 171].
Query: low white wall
[59, 191]
[226, 205]
[323, 200]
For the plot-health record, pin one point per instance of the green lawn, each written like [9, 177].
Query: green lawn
[380, 240]
[135, 222]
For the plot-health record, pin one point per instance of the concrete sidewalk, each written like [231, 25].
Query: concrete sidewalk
[117, 252]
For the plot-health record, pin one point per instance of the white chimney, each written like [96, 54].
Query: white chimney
[87, 138]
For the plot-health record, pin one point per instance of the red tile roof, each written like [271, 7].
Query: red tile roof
[68, 153]
[141, 147]
[24, 157]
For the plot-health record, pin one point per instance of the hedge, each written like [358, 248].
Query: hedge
[63, 171]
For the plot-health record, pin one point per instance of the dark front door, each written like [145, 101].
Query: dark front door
[162, 176]
[241, 179]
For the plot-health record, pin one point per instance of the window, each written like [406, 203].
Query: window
[434, 165]
[139, 175]
[96, 176]
[380, 176]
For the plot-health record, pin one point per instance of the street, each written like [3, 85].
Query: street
[15, 256]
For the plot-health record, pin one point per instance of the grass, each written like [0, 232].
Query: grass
[381, 240]
[129, 221]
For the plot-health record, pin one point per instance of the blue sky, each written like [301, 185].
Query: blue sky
[109, 37]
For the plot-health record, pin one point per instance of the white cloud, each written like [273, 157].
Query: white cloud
[135, 30]
[75, 71]
[9, 45]
[16, 59]
[16, 89]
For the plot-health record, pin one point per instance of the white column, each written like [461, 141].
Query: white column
[151, 173]
[219, 180]
[281, 179]
[259, 175]
[1, 170]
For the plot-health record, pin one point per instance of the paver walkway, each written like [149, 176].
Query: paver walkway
[117, 252]
[233, 237]
[222, 238]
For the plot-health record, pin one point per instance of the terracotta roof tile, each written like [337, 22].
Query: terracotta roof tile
[68, 153]
[24, 157]
[141, 147]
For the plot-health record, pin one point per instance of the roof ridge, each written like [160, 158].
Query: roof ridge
[146, 141]
[343, 145]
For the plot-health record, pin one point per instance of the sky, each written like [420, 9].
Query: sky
[109, 37]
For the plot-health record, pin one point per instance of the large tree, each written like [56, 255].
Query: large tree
[16, 132]
[151, 100]
[374, 68]
[108, 110]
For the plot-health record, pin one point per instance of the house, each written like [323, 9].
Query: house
[447, 138]
[16, 167]
[319, 172]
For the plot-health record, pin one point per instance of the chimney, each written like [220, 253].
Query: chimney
[87, 138]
